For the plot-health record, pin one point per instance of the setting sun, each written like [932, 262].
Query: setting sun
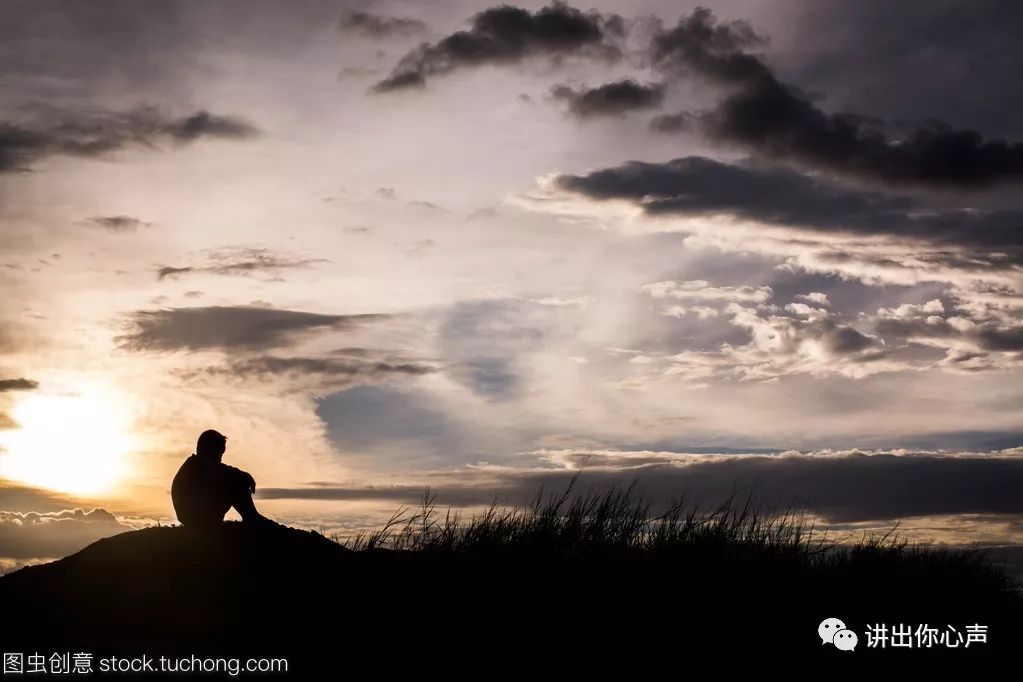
[69, 443]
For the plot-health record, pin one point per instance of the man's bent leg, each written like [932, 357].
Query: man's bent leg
[241, 500]
[247, 508]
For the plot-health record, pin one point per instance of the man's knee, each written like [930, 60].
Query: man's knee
[239, 483]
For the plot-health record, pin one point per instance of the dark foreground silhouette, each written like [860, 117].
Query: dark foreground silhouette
[550, 589]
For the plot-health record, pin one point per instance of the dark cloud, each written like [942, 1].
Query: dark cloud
[403, 80]
[696, 185]
[54, 534]
[96, 132]
[271, 365]
[902, 59]
[17, 385]
[988, 336]
[243, 261]
[376, 26]
[385, 420]
[226, 328]
[700, 43]
[845, 487]
[1002, 339]
[117, 223]
[205, 124]
[22, 498]
[777, 120]
[336, 372]
[672, 123]
[843, 340]
[166, 271]
[507, 35]
[611, 99]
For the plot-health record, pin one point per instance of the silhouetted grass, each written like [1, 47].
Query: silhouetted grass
[730, 538]
[588, 579]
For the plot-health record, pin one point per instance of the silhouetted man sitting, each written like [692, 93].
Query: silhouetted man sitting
[205, 488]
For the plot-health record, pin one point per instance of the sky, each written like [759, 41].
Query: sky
[764, 247]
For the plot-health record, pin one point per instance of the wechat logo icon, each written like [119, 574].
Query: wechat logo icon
[833, 631]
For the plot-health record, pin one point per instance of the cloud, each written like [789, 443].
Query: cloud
[670, 124]
[205, 124]
[907, 310]
[700, 43]
[806, 340]
[272, 365]
[94, 133]
[17, 385]
[815, 297]
[375, 26]
[701, 311]
[117, 223]
[165, 271]
[698, 186]
[508, 35]
[611, 99]
[860, 53]
[485, 343]
[26, 535]
[227, 327]
[782, 345]
[804, 310]
[7, 386]
[701, 290]
[778, 121]
[841, 486]
[384, 420]
[23, 498]
[972, 342]
[243, 261]
[335, 372]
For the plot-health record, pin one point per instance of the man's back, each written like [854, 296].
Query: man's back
[198, 491]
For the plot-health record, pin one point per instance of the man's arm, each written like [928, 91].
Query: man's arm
[235, 472]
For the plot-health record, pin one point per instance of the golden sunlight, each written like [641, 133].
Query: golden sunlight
[69, 443]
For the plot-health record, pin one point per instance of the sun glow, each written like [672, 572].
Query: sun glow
[69, 443]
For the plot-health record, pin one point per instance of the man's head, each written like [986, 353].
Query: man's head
[211, 444]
